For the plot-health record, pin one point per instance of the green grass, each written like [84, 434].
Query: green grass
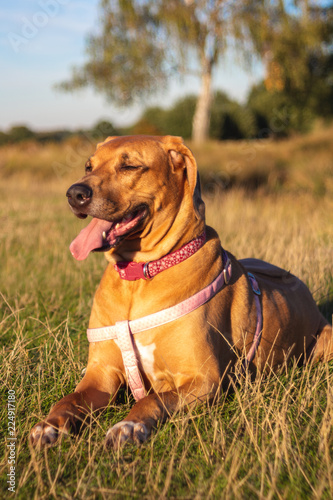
[271, 439]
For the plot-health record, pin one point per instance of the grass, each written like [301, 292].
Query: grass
[299, 164]
[271, 439]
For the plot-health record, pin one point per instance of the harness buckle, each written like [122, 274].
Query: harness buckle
[226, 273]
[254, 284]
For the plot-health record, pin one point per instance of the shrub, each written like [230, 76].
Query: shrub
[230, 120]
[277, 113]
[101, 130]
[20, 133]
[4, 138]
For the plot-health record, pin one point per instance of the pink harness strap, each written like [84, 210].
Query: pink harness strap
[166, 315]
[122, 332]
[257, 333]
[125, 343]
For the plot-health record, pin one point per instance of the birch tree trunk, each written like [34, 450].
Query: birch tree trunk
[201, 119]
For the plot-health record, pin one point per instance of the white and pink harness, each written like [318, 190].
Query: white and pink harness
[122, 332]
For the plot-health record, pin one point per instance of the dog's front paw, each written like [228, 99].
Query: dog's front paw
[45, 433]
[126, 431]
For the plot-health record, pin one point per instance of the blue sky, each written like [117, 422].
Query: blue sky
[40, 40]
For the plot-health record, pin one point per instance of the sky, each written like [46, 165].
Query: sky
[41, 40]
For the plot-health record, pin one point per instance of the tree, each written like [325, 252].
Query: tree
[230, 120]
[201, 29]
[102, 129]
[176, 120]
[139, 44]
[125, 59]
[4, 138]
[20, 133]
[294, 39]
[277, 114]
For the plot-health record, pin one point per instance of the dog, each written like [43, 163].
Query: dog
[174, 312]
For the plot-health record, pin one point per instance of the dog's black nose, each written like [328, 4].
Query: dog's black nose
[79, 195]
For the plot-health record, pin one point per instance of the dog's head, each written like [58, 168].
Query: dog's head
[135, 187]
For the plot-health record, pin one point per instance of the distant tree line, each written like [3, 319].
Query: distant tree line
[267, 113]
[22, 133]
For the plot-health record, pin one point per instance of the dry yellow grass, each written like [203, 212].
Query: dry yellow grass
[293, 231]
[272, 439]
[301, 163]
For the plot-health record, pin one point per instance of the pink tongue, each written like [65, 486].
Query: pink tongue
[90, 238]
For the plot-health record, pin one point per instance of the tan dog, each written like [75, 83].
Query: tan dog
[144, 195]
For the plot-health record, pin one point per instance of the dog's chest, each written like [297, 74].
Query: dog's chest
[147, 358]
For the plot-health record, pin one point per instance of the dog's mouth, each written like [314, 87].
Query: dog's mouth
[102, 235]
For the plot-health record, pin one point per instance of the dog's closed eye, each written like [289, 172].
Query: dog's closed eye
[129, 167]
[88, 167]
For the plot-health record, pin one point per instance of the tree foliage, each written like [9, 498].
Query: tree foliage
[177, 120]
[20, 133]
[293, 38]
[139, 44]
[229, 119]
[125, 60]
[102, 129]
[277, 114]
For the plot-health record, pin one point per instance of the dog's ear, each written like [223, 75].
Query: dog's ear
[182, 157]
[106, 140]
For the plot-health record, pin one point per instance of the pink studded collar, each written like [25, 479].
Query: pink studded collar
[132, 271]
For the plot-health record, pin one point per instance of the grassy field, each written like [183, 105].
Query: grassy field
[271, 439]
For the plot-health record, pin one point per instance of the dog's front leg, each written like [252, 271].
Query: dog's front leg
[93, 393]
[156, 407]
